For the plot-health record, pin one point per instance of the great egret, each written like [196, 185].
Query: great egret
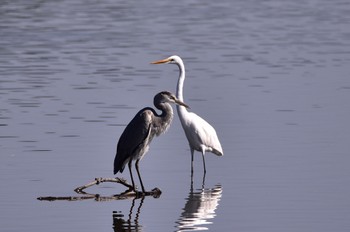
[138, 134]
[200, 134]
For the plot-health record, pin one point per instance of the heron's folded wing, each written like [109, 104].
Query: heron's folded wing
[133, 137]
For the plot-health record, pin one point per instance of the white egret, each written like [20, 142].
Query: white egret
[200, 134]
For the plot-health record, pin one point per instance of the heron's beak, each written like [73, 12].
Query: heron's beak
[160, 61]
[181, 103]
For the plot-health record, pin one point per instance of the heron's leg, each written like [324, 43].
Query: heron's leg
[132, 179]
[138, 173]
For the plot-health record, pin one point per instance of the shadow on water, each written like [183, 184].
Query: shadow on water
[199, 209]
[127, 224]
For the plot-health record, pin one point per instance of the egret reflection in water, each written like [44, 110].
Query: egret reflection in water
[199, 209]
[121, 224]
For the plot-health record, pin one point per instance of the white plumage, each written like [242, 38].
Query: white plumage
[200, 134]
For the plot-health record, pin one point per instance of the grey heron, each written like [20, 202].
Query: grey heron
[138, 134]
[200, 134]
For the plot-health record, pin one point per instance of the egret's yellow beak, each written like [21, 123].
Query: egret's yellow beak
[160, 61]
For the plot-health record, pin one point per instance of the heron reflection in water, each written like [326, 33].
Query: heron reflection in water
[199, 208]
[120, 224]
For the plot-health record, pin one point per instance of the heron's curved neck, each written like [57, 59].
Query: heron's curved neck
[180, 83]
[163, 121]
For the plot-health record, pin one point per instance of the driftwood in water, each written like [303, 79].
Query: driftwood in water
[129, 193]
[99, 180]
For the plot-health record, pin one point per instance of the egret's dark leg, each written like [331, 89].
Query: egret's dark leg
[132, 179]
[203, 181]
[192, 152]
[205, 170]
[138, 173]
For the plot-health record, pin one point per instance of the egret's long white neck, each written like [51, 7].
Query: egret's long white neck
[180, 83]
[181, 110]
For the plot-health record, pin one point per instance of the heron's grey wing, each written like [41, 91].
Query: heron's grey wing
[133, 139]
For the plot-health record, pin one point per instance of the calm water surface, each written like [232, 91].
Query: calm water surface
[271, 76]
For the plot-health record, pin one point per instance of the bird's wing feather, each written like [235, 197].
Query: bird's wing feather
[203, 133]
[132, 140]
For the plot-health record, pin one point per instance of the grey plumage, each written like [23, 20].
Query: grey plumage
[138, 134]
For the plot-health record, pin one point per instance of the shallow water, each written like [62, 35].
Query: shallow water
[271, 76]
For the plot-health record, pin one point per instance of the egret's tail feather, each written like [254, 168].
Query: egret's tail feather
[217, 152]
